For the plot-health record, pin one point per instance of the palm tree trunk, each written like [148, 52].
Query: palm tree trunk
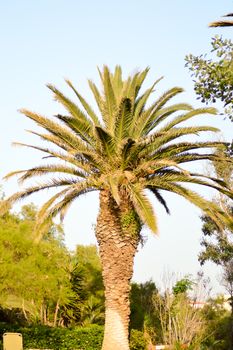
[117, 250]
[24, 311]
[56, 313]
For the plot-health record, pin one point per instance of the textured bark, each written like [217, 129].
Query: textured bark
[117, 250]
[56, 313]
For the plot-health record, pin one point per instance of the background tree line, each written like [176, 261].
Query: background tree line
[42, 283]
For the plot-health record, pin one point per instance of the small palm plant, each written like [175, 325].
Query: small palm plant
[124, 150]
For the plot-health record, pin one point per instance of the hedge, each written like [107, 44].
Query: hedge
[79, 338]
[43, 337]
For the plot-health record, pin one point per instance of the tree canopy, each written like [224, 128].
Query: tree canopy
[213, 76]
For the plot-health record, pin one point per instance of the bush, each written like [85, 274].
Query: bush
[137, 340]
[79, 338]
[43, 337]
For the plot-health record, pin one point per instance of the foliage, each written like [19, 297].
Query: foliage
[218, 244]
[183, 285]
[213, 77]
[131, 149]
[182, 324]
[143, 316]
[217, 323]
[124, 150]
[87, 305]
[130, 221]
[80, 338]
[42, 282]
[141, 303]
[33, 276]
[44, 337]
[137, 340]
[222, 23]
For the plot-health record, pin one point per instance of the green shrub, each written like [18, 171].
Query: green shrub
[137, 340]
[79, 338]
[43, 337]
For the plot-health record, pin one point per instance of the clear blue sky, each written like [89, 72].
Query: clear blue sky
[44, 41]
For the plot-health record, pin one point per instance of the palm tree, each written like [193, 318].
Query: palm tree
[224, 23]
[131, 149]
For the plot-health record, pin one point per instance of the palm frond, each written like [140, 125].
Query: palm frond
[158, 104]
[171, 176]
[79, 158]
[49, 203]
[50, 212]
[221, 24]
[142, 206]
[126, 151]
[140, 105]
[159, 197]
[114, 188]
[70, 106]
[107, 142]
[191, 157]
[117, 82]
[84, 131]
[141, 76]
[220, 182]
[54, 128]
[152, 167]
[149, 119]
[109, 107]
[53, 139]
[157, 139]
[71, 158]
[177, 149]
[186, 116]
[6, 204]
[72, 194]
[123, 120]
[134, 84]
[44, 170]
[85, 104]
[228, 15]
[220, 218]
[98, 98]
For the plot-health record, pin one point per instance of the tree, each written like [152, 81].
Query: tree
[143, 316]
[88, 283]
[182, 324]
[213, 78]
[33, 276]
[133, 148]
[217, 244]
[217, 324]
[183, 285]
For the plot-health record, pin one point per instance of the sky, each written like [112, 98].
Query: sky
[48, 40]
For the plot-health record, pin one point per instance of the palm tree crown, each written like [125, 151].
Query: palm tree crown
[129, 149]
